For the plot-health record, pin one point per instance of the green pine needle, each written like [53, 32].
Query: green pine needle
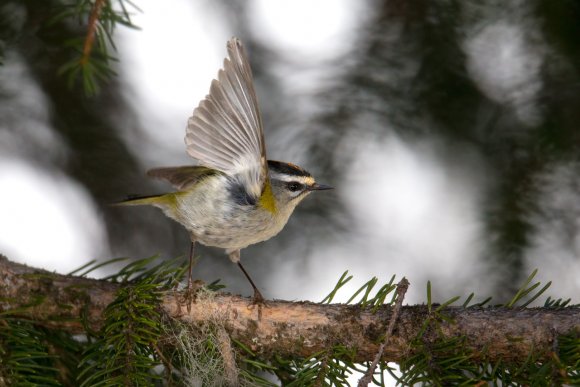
[343, 280]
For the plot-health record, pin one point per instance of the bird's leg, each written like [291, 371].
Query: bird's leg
[258, 298]
[191, 250]
[190, 292]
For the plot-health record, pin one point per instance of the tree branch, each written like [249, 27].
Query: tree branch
[297, 329]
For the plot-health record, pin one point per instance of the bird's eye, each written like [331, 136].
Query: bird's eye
[294, 186]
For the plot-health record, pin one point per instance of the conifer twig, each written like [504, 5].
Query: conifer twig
[402, 287]
[92, 30]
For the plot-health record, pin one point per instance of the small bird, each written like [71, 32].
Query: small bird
[235, 197]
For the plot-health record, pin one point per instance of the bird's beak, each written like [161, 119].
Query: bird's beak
[320, 187]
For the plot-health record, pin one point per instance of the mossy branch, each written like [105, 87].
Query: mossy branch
[296, 329]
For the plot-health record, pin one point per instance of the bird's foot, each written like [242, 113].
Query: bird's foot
[190, 293]
[258, 299]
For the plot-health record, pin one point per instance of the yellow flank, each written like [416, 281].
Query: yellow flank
[170, 199]
[267, 200]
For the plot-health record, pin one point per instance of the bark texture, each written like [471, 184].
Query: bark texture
[294, 328]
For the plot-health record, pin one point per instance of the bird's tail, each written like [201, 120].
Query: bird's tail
[151, 200]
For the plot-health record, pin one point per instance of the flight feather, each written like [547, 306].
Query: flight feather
[225, 131]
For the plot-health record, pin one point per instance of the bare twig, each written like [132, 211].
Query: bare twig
[402, 287]
[322, 373]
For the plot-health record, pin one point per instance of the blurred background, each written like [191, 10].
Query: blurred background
[450, 130]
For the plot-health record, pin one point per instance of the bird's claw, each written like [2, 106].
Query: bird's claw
[190, 293]
[258, 299]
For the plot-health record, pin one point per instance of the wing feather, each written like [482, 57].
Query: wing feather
[181, 177]
[225, 131]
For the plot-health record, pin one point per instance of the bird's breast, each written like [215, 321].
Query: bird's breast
[218, 216]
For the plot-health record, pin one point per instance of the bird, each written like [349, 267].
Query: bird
[234, 197]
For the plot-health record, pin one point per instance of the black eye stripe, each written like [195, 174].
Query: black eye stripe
[294, 186]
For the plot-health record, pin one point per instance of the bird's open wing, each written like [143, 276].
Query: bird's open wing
[225, 131]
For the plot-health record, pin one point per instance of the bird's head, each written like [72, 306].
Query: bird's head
[290, 184]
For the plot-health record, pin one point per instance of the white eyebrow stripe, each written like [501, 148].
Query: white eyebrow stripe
[306, 180]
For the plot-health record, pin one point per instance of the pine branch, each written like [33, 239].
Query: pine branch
[92, 62]
[297, 329]
[91, 31]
